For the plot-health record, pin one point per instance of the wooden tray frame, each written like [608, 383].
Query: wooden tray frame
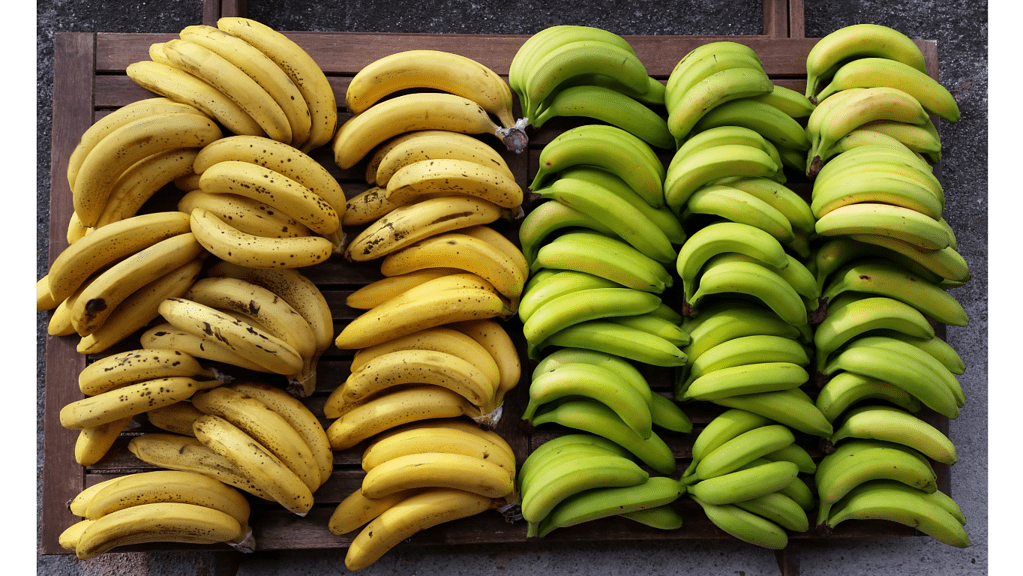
[89, 81]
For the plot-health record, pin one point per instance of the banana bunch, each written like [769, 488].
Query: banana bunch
[262, 203]
[864, 63]
[420, 475]
[745, 475]
[572, 70]
[273, 321]
[157, 506]
[424, 90]
[723, 83]
[108, 284]
[582, 476]
[251, 79]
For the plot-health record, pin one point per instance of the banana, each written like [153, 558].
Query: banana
[722, 428]
[858, 41]
[896, 425]
[946, 263]
[117, 151]
[884, 188]
[896, 502]
[414, 439]
[733, 276]
[143, 180]
[597, 383]
[44, 298]
[870, 72]
[745, 484]
[408, 517]
[699, 64]
[69, 538]
[453, 176]
[562, 479]
[383, 289]
[395, 408]
[168, 486]
[156, 522]
[789, 101]
[164, 336]
[701, 168]
[623, 368]
[609, 147]
[941, 350]
[661, 217]
[355, 510]
[923, 139]
[609, 106]
[752, 349]
[777, 127]
[654, 323]
[875, 159]
[410, 223]
[836, 252]
[712, 91]
[358, 136]
[719, 322]
[735, 205]
[232, 81]
[177, 85]
[179, 452]
[571, 308]
[242, 338]
[437, 470]
[719, 136]
[136, 365]
[796, 454]
[739, 450]
[176, 418]
[604, 256]
[613, 211]
[264, 71]
[420, 367]
[867, 105]
[910, 374]
[743, 379]
[104, 248]
[666, 413]
[616, 339]
[595, 418]
[411, 147]
[367, 206]
[94, 442]
[951, 506]
[300, 67]
[853, 463]
[862, 137]
[255, 461]
[576, 58]
[130, 400]
[885, 278]
[231, 244]
[435, 70]
[546, 219]
[846, 389]
[437, 339]
[903, 345]
[745, 525]
[498, 342]
[726, 237]
[280, 157]
[265, 426]
[780, 509]
[245, 214]
[551, 283]
[864, 314]
[590, 505]
[793, 408]
[569, 445]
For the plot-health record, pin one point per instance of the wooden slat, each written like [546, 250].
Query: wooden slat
[776, 18]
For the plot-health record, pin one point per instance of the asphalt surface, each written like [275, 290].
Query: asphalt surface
[961, 30]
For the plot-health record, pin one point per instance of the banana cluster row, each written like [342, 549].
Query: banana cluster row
[271, 321]
[570, 71]
[109, 283]
[417, 90]
[157, 506]
[745, 475]
[870, 83]
[723, 83]
[260, 203]
[250, 435]
[420, 475]
[580, 477]
[250, 78]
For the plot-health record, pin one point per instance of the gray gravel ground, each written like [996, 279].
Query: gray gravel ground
[961, 30]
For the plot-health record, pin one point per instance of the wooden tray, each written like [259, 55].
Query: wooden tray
[89, 81]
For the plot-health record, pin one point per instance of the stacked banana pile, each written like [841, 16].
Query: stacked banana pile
[745, 476]
[419, 475]
[250, 435]
[570, 71]
[157, 506]
[266, 320]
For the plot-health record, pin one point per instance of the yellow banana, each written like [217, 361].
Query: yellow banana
[94, 442]
[453, 176]
[229, 243]
[405, 149]
[143, 180]
[130, 400]
[247, 215]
